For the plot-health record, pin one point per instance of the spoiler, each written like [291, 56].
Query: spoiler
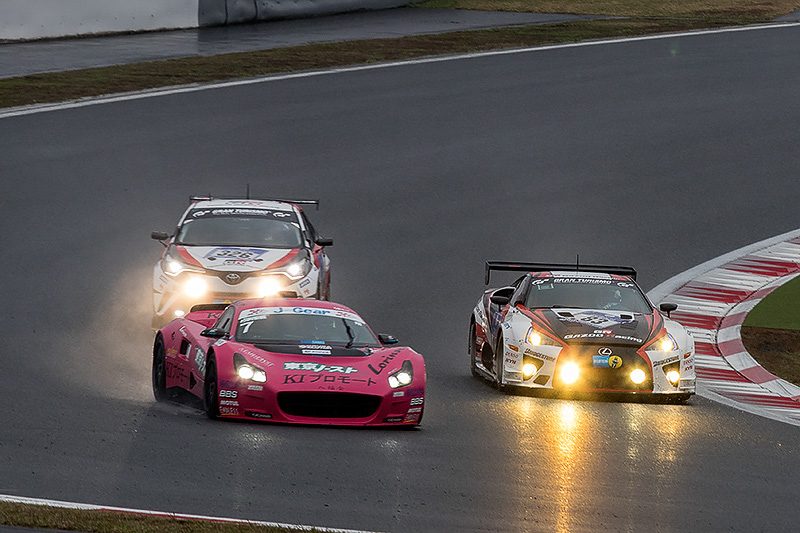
[540, 267]
[315, 203]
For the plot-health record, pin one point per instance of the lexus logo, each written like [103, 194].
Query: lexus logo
[233, 278]
[604, 351]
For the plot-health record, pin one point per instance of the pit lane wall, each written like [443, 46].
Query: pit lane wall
[37, 19]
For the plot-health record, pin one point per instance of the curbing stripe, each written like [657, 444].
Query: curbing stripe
[179, 516]
[718, 294]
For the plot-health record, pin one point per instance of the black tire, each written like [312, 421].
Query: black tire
[498, 363]
[160, 371]
[210, 389]
[472, 350]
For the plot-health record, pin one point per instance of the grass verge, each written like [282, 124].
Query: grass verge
[38, 516]
[771, 332]
[70, 85]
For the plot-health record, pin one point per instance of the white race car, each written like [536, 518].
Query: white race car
[587, 328]
[229, 249]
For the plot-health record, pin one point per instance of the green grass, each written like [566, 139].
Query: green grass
[771, 332]
[779, 310]
[734, 10]
[44, 517]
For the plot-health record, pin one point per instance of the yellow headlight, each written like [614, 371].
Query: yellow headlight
[268, 287]
[528, 369]
[638, 376]
[673, 376]
[570, 373]
[534, 339]
[195, 287]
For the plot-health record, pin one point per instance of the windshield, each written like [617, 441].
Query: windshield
[586, 293]
[302, 325]
[240, 227]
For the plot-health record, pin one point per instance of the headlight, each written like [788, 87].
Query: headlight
[195, 287]
[269, 286]
[638, 376]
[298, 268]
[536, 338]
[673, 376]
[402, 377]
[174, 265]
[665, 343]
[246, 371]
[528, 369]
[570, 373]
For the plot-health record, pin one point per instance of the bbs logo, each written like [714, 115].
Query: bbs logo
[228, 394]
[417, 401]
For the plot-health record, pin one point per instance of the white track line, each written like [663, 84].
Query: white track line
[152, 93]
[178, 516]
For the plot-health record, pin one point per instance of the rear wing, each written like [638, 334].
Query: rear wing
[544, 267]
[315, 203]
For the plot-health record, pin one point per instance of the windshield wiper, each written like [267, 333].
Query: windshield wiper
[350, 334]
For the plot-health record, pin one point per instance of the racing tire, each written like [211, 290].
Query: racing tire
[160, 371]
[472, 351]
[498, 364]
[210, 390]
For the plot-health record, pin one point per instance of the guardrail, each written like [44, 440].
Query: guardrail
[37, 19]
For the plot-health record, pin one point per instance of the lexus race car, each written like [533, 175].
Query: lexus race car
[225, 250]
[585, 327]
[289, 360]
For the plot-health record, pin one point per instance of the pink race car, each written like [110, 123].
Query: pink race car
[289, 360]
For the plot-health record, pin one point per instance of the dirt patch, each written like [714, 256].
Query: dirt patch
[777, 350]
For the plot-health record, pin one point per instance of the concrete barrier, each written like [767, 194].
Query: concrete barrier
[36, 19]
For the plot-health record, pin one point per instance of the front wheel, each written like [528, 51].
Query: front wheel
[210, 392]
[160, 371]
[499, 368]
[472, 351]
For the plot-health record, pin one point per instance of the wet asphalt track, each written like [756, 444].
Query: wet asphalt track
[660, 154]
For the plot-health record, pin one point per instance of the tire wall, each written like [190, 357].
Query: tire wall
[36, 19]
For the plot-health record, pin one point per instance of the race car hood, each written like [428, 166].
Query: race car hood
[235, 258]
[595, 326]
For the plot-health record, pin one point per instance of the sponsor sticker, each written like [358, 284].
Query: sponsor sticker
[318, 367]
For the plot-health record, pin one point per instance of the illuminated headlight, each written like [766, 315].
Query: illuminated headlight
[269, 287]
[179, 312]
[195, 287]
[528, 370]
[247, 371]
[402, 377]
[673, 376]
[298, 268]
[638, 376]
[570, 373]
[173, 267]
[535, 338]
[663, 344]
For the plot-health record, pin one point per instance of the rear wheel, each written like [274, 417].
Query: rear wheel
[160, 371]
[210, 392]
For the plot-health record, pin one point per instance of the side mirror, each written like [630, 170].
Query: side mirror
[387, 339]
[668, 308]
[323, 242]
[500, 299]
[159, 236]
[214, 333]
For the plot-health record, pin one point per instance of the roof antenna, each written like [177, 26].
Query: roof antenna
[248, 191]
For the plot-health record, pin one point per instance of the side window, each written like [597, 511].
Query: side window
[521, 287]
[225, 320]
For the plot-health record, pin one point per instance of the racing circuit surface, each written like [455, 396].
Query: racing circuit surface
[660, 154]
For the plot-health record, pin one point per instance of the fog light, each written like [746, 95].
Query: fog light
[195, 288]
[638, 376]
[673, 376]
[570, 372]
[268, 287]
[528, 370]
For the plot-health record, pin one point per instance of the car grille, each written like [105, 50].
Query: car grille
[605, 377]
[328, 404]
